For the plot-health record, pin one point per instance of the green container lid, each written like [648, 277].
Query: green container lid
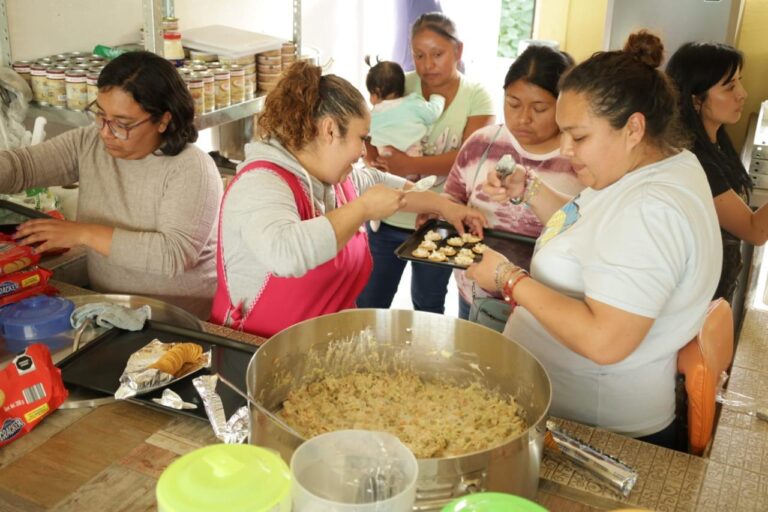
[232, 477]
[492, 502]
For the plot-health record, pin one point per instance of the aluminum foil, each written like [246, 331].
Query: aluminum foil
[138, 379]
[232, 431]
[615, 473]
[171, 399]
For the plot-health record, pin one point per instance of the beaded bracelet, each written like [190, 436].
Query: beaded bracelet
[530, 189]
[509, 287]
[501, 269]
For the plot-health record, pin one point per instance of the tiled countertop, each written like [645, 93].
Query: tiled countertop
[102, 467]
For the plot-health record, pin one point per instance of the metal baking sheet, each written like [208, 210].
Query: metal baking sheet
[98, 365]
[517, 248]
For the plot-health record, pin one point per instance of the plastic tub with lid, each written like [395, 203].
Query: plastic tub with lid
[231, 477]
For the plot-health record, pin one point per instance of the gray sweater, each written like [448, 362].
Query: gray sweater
[262, 232]
[164, 210]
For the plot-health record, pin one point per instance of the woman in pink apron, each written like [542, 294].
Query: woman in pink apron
[290, 243]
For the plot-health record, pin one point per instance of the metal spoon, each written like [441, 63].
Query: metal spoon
[260, 407]
[423, 184]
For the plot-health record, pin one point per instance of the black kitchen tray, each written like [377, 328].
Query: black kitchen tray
[517, 248]
[13, 214]
[99, 364]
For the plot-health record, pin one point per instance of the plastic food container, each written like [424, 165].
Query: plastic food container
[231, 477]
[35, 318]
[492, 502]
[353, 471]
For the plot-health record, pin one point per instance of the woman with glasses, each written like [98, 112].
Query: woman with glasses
[148, 198]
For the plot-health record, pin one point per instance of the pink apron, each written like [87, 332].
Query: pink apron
[285, 301]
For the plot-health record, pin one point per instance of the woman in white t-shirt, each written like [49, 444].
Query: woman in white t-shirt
[530, 136]
[623, 273]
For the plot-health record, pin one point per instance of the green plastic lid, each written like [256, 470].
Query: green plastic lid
[232, 477]
[492, 502]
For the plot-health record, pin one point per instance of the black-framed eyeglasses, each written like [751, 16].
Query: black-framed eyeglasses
[118, 129]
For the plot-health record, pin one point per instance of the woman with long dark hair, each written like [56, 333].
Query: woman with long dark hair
[708, 76]
[148, 197]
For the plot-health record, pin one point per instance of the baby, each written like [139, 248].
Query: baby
[397, 120]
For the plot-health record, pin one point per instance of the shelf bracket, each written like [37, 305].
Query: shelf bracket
[153, 26]
[5, 36]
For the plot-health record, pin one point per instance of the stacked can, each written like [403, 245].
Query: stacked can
[269, 67]
[63, 80]
[288, 54]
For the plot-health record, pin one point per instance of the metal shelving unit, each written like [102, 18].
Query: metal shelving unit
[153, 12]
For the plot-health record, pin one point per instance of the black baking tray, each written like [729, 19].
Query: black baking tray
[517, 248]
[12, 214]
[99, 364]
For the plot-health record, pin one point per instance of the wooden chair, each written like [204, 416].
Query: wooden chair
[702, 361]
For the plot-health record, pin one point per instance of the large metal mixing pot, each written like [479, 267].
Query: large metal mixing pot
[436, 346]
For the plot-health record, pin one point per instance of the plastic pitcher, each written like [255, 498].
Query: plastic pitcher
[353, 471]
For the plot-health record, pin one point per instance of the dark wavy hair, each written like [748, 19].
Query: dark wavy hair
[385, 78]
[619, 83]
[154, 83]
[541, 66]
[695, 68]
[301, 99]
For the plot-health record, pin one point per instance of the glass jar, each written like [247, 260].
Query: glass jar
[170, 24]
[38, 76]
[209, 91]
[237, 83]
[221, 83]
[91, 84]
[195, 85]
[56, 86]
[24, 69]
[76, 89]
[172, 48]
[250, 81]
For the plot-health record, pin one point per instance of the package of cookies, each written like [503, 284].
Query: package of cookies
[158, 364]
[30, 389]
[15, 282]
[14, 257]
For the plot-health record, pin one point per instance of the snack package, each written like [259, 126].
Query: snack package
[15, 257]
[30, 389]
[16, 282]
[40, 289]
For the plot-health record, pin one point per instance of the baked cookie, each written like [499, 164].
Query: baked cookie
[448, 250]
[455, 241]
[437, 256]
[467, 253]
[420, 252]
[432, 235]
[463, 261]
[428, 245]
[469, 238]
[479, 248]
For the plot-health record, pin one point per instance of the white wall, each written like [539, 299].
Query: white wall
[44, 27]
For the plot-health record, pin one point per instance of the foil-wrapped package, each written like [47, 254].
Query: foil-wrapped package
[608, 469]
[139, 377]
[172, 400]
[231, 431]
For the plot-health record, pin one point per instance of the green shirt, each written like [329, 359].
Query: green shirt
[472, 99]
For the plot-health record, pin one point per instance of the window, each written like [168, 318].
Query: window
[515, 25]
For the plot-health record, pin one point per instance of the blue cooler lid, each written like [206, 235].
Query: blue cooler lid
[36, 317]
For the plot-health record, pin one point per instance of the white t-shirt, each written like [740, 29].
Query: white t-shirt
[648, 244]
